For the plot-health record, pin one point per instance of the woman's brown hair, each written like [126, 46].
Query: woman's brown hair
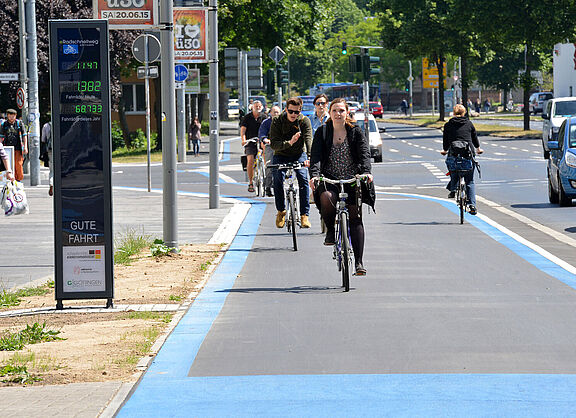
[349, 119]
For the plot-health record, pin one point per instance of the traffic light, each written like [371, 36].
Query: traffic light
[367, 69]
[282, 76]
[344, 48]
[355, 63]
[231, 67]
[270, 82]
[406, 86]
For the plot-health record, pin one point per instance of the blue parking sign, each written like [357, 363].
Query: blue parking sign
[180, 72]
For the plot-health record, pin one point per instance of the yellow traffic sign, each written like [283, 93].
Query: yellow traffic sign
[430, 74]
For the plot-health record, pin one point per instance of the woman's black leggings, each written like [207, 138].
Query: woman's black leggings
[328, 201]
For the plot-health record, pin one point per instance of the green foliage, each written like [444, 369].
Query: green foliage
[150, 316]
[17, 374]
[159, 249]
[129, 244]
[32, 334]
[14, 298]
[117, 136]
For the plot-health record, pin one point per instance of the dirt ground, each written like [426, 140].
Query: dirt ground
[107, 346]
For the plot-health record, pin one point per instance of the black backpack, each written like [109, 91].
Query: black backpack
[460, 149]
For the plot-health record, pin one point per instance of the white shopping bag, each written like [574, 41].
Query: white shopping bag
[13, 199]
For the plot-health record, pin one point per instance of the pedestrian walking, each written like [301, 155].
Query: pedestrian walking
[12, 133]
[195, 136]
[404, 107]
[46, 153]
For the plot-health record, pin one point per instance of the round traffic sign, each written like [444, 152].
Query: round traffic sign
[20, 98]
[180, 72]
[143, 44]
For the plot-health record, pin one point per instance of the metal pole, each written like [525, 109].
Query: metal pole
[410, 79]
[214, 119]
[181, 125]
[245, 80]
[169, 181]
[433, 104]
[33, 111]
[147, 93]
[366, 91]
[23, 63]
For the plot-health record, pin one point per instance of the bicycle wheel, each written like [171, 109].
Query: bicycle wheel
[461, 198]
[292, 216]
[345, 251]
[260, 180]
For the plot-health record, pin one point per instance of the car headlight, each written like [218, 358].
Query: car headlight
[570, 159]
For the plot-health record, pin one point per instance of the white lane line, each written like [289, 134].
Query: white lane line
[416, 156]
[393, 150]
[223, 177]
[513, 148]
[439, 141]
[527, 221]
[500, 153]
[495, 145]
[526, 150]
[536, 145]
[415, 134]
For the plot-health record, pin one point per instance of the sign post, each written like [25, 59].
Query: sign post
[80, 86]
[180, 76]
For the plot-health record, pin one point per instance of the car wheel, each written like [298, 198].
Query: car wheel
[562, 198]
[378, 159]
[552, 195]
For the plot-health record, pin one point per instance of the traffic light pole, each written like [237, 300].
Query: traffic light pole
[410, 79]
[366, 90]
[214, 189]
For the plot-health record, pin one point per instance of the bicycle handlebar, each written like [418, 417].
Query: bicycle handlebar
[355, 179]
[255, 139]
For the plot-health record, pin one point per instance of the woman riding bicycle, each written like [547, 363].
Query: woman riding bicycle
[460, 138]
[340, 151]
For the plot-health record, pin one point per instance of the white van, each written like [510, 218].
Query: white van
[554, 112]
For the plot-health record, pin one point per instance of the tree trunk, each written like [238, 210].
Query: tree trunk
[505, 99]
[527, 84]
[440, 66]
[464, 83]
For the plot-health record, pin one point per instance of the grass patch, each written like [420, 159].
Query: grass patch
[204, 266]
[41, 363]
[17, 374]
[132, 242]
[123, 155]
[140, 344]
[150, 316]
[175, 298]
[482, 129]
[14, 298]
[159, 248]
[32, 334]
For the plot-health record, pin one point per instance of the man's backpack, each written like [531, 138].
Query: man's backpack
[460, 149]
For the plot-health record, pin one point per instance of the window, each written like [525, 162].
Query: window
[561, 135]
[134, 98]
[573, 136]
[565, 109]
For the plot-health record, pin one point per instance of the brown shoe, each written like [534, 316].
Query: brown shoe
[51, 191]
[280, 219]
[304, 221]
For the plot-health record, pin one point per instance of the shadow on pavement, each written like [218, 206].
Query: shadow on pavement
[296, 289]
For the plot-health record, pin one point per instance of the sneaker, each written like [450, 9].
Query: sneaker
[269, 192]
[360, 270]
[51, 191]
[472, 210]
[451, 195]
[330, 238]
[304, 221]
[281, 219]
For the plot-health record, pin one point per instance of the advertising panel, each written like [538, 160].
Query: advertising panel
[190, 35]
[80, 86]
[127, 14]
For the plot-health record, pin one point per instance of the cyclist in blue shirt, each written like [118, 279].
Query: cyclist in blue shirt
[320, 115]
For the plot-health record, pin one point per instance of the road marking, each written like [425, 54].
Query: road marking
[393, 150]
[527, 221]
[416, 156]
[500, 153]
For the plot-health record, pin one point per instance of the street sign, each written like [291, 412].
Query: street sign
[80, 92]
[20, 98]
[277, 54]
[430, 74]
[9, 76]
[180, 73]
[193, 81]
[410, 78]
[127, 14]
[147, 72]
[139, 48]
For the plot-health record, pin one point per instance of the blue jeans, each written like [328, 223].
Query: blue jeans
[301, 175]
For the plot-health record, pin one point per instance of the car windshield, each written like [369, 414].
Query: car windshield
[371, 123]
[373, 105]
[573, 136]
[565, 109]
[545, 96]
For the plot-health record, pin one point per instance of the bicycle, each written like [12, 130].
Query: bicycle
[461, 166]
[259, 168]
[292, 209]
[342, 251]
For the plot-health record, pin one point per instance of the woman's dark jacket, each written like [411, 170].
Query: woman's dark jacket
[359, 148]
[322, 145]
[460, 128]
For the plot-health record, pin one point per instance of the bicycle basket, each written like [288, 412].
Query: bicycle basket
[458, 164]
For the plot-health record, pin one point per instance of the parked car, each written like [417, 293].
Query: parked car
[554, 113]
[562, 164]
[233, 108]
[262, 100]
[536, 101]
[374, 137]
[376, 109]
[353, 106]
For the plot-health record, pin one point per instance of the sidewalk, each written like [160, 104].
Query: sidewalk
[29, 259]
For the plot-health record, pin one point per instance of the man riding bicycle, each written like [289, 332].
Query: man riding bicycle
[291, 139]
[459, 141]
[248, 130]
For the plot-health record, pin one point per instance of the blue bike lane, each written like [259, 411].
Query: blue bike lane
[169, 388]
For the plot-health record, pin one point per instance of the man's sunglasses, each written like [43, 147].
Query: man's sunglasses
[320, 103]
[293, 112]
